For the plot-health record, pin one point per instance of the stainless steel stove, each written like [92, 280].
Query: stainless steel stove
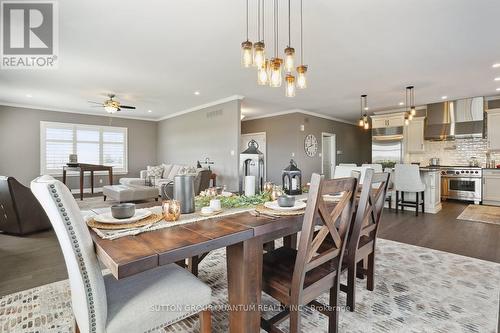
[461, 183]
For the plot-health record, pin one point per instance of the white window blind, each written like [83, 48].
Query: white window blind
[103, 145]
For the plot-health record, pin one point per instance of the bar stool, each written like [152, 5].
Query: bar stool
[407, 179]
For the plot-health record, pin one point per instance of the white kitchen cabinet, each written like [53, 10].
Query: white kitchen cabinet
[415, 135]
[491, 187]
[494, 129]
[389, 120]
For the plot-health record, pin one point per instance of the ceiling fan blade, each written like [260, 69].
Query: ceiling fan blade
[97, 106]
[95, 102]
[127, 107]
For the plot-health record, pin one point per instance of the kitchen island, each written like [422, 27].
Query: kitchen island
[431, 177]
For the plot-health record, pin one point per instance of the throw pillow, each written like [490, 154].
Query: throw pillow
[155, 171]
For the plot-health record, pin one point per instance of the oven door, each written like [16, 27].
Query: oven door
[461, 188]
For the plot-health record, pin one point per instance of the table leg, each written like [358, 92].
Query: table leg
[290, 241]
[110, 176]
[244, 277]
[81, 184]
[92, 182]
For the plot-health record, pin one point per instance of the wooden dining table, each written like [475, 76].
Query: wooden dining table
[243, 236]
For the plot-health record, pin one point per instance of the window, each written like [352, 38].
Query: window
[93, 144]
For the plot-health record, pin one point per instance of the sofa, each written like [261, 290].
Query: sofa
[201, 181]
[20, 212]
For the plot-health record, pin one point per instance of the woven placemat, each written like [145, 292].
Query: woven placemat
[153, 218]
[265, 210]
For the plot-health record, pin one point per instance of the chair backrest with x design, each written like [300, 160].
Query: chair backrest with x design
[370, 208]
[336, 220]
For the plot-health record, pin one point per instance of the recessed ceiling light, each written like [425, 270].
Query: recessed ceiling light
[444, 97]
[196, 92]
[497, 79]
[498, 89]
[29, 96]
[150, 111]
[496, 65]
[401, 103]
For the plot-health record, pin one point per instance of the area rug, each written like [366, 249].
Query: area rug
[481, 213]
[417, 290]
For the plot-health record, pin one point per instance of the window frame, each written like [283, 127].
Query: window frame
[101, 129]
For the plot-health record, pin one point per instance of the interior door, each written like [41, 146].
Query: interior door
[328, 156]
[261, 141]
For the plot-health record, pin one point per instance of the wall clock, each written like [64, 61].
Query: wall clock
[310, 145]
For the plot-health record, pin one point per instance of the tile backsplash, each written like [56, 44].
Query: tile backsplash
[456, 152]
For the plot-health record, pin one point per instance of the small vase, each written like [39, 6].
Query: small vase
[171, 210]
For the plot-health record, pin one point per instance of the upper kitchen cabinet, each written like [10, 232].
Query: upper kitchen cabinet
[494, 129]
[415, 135]
[388, 120]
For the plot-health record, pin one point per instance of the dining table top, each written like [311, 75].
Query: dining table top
[131, 255]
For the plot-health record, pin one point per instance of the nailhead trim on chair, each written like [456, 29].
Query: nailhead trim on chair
[77, 251]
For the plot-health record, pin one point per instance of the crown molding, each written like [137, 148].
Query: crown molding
[29, 106]
[309, 113]
[202, 106]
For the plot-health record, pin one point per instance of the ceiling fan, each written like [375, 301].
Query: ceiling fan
[111, 105]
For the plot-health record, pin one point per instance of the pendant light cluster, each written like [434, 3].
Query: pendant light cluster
[410, 104]
[363, 116]
[270, 70]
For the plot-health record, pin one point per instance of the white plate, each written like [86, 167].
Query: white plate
[274, 206]
[108, 218]
[227, 194]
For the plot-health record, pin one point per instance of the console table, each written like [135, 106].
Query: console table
[82, 168]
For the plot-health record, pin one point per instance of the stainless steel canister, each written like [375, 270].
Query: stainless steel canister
[184, 192]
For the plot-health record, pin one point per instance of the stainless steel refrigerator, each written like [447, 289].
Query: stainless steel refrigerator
[387, 145]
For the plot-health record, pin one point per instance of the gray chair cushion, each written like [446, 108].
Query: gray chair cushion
[135, 303]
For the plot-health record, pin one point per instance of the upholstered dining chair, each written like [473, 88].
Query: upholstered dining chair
[145, 302]
[407, 180]
[298, 277]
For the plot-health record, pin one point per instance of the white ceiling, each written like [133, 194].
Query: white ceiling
[155, 54]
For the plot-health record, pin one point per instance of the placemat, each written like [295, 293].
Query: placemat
[153, 218]
[262, 209]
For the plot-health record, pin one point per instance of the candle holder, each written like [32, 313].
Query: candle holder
[171, 210]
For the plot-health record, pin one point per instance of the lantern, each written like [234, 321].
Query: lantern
[292, 179]
[252, 164]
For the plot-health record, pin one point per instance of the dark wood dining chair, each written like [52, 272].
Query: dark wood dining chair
[359, 259]
[297, 277]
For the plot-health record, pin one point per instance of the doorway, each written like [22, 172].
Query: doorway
[260, 137]
[328, 154]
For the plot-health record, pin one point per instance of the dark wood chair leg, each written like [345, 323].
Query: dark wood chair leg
[397, 201]
[360, 270]
[76, 329]
[390, 202]
[417, 206]
[333, 319]
[104, 198]
[205, 321]
[192, 265]
[423, 202]
[351, 286]
[402, 201]
[294, 319]
[370, 272]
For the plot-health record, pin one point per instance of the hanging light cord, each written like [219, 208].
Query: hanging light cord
[263, 20]
[301, 37]
[258, 21]
[289, 25]
[247, 20]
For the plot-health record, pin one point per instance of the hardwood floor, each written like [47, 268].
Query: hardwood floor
[27, 262]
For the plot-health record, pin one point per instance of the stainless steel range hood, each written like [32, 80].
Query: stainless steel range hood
[455, 119]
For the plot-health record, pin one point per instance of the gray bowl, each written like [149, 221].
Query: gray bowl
[123, 211]
[286, 201]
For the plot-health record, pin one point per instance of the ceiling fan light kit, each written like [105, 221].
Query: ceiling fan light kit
[112, 106]
[270, 71]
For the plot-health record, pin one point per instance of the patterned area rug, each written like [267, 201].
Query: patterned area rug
[417, 290]
[481, 213]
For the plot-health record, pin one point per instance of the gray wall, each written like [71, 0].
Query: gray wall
[284, 137]
[212, 132]
[20, 141]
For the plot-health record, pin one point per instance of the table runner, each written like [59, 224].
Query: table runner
[184, 219]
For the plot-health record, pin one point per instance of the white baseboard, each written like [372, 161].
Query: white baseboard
[86, 190]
